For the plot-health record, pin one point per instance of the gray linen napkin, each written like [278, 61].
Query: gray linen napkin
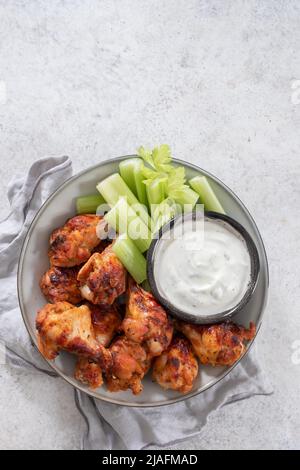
[108, 426]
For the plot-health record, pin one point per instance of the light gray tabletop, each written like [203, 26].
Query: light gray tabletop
[217, 80]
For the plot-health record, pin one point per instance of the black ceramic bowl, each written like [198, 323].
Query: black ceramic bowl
[220, 316]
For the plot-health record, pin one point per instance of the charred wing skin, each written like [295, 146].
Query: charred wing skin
[101, 247]
[103, 278]
[61, 285]
[218, 345]
[146, 322]
[63, 326]
[72, 244]
[106, 322]
[46, 344]
[177, 367]
[48, 349]
[129, 365]
[88, 372]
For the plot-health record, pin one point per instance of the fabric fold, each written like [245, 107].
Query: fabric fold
[139, 428]
[26, 195]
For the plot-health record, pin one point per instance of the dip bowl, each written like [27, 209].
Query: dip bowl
[179, 312]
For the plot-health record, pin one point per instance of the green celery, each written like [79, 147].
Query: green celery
[89, 204]
[131, 171]
[186, 197]
[201, 185]
[155, 193]
[113, 187]
[164, 212]
[130, 257]
[123, 219]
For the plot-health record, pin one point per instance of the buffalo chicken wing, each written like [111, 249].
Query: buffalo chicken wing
[146, 322]
[129, 365]
[103, 278]
[63, 326]
[106, 322]
[219, 345]
[61, 285]
[177, 367]
[88, 372]
[72, 244]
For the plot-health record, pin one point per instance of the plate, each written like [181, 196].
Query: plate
[34, 262]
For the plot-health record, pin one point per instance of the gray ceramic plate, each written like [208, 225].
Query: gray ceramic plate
[34, 262]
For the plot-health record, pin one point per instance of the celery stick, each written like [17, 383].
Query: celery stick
[164, 212]
[202, 186]
[114, 187]
[186, 197]
[126, 168]
[123, 219]
[155, 194]
[131, 172]
[130, 257]
[89, 204]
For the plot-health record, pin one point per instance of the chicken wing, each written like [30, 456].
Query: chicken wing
[63, 326]
[106, 322]
[103, 278]
[177, 367]
[46, 343]
[219, 345]
[73, 243]
[146, 322]
[61, 285]
[129, 365]
[88, 372]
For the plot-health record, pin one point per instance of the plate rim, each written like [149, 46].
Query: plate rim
[52, 365]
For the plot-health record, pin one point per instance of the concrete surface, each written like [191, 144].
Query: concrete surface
[219, 81]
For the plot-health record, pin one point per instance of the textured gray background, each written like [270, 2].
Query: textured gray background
[95, 79]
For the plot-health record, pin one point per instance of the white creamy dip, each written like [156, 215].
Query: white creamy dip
[204, 271]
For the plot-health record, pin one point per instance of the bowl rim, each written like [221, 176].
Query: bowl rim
[225, 315]
[52, 365]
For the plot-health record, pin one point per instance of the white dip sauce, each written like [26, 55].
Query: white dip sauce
[204, 271]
